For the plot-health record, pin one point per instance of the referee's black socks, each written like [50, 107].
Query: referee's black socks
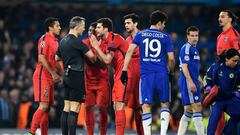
[72, 122]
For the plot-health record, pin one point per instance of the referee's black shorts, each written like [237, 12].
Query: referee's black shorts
[74, 87]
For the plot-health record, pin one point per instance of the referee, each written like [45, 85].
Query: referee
[72, 51]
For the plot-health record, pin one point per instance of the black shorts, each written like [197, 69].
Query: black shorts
[74, 87]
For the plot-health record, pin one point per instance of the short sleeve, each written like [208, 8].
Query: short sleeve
[115, 43]
[136, 39]
[169, 45]
[185, 55]
[43, 46]
[78, 44]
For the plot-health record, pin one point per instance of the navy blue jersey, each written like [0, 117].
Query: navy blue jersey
[227, 79]
[189, 55]
[153, 46]
[208, 81]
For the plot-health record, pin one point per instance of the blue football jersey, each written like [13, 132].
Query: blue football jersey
[153, 47]
[190, 55]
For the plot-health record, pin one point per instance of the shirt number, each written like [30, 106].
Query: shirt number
[154, 46]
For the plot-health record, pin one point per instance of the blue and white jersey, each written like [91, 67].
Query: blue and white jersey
[153, 46]
[190, 55]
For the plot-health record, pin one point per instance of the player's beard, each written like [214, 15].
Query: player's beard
[130, 31]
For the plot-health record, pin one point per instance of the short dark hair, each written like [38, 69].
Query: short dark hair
[191, 28]
[133, 16]
[93, 24]
[158, 16]
[228, 54]
[106, 23]
[75, 21]
[231, 15]
[49, 22]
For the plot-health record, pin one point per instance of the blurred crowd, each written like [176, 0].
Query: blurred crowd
[21, 26]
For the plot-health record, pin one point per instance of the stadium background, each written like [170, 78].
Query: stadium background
[21, 24]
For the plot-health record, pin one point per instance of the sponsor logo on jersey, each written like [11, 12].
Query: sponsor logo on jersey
[196, 57]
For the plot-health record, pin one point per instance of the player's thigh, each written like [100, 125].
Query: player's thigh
[188, 97]
[163, 87]
[103, 95]
[133, 97]
[90, 97]
[118, 91]
[43, 89]
[146, 86]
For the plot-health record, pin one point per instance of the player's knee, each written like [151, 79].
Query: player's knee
[89, 108]
[146, 108]
[119, 105]
[44, 106]
[165, 104]
[102, 108]
[197, 107]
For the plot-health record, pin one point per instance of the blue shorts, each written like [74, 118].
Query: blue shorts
[152, 83]
[189, 97]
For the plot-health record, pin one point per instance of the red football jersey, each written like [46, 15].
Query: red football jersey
[47, 46]
[136, 52]
[228, 39]
[119, 46]
[134, 65]
[95, 74]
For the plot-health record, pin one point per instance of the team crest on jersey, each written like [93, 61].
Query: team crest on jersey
[42, 43]
[231, 75]
[186, 58]
[225, 39]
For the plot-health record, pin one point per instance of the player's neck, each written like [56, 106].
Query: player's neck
[154, 27]
[51, 33]
[133, 33]
[226, 27]
[105, 36]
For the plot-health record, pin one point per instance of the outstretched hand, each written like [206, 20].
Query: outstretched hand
[94, 42]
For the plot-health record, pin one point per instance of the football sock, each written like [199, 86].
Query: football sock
[165, 116]
[139, 126]
[147, 122]
[197, 118]
[72, 122]
[90, 121]
[120, 121]
[64, 124]
[103, 120]
[44, 124]
[186, 117]
[128, 113]
[36, 120]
